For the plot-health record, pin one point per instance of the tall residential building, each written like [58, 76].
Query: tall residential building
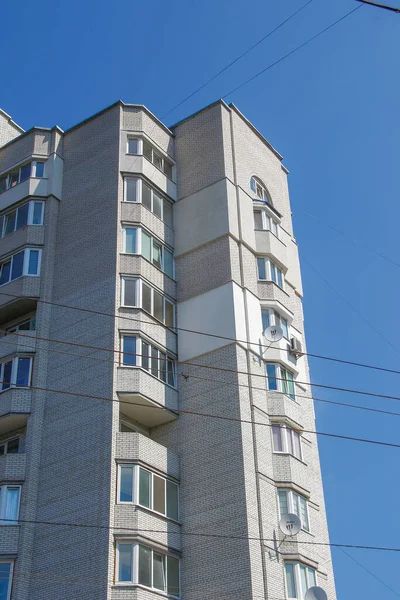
[151, 437]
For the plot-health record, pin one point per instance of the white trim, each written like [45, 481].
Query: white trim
[291, 496]
[269, 265]
[139, 359]
[139, 247]
[285, 433]
[139, 300]
[3, 503]
[297, 577]
[153, 192]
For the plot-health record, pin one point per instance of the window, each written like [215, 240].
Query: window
[143, 487]
[30, 213]
[259, 189]
[15, 372]
[286, 440]
[291, 502]
[137, 293]
[32, 169]
[6, 574]
[269, 316]
[299, 578]
[25, 325]
[280, 379]
[142, 146]
[9, 505]
[137, 352]
[137, 190]
[262, 220]
[138, 241]
[141, 565]
[269, 271]
[9, 447]
[25, 262]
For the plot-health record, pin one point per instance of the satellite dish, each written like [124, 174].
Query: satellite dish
[273, 333]
[290, 525]
[315, 593]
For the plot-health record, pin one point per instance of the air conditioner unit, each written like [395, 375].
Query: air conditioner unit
[295, 346]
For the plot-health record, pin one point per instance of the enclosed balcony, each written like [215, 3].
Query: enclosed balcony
[15, 408]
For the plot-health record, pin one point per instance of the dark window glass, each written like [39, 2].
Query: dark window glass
[144, 488]
[169, 314]
[146, 195]
[146, 297]
[129, 351]
[5, 574]
[163, 367]
[145, 355]
[168, 169]
[13, 179]
[147, 150]
[2, 449]
[167, 214]
[171, 372]
[23, 371]
[25, 172]
[13, 446]
[173, 576]
[158, 571]
[159, 494]
[10, 223]
[3, 184]
[158, 306]
[131, 185]
[5, 272]
[130, 292]
[125, 555]
[157, 160]
[7, 377]
[157, 205]
[272, 380]
[261, 268]
[172, 501]
[39, 169]
[37, 213]
[126, 483]
[144, 566]
[22, 216]
[17, 265]
[133, 146]
[154, 362]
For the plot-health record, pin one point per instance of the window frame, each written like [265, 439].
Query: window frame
[3, 503]
[281, 380]
[287, 433]
[9, 177]
[139, 248]
[140, 152]
[10, 580]
[269, 223]
[139, 198]
[135, 491]
[297, 565]
[139, 300]
[134, 567]
[273, 320]
[17, 326]
[5, 443]
[292, 499]
[29, 219]
[258, 188]
[269, 266]
[139, 355]
[25, 264]
[12, 384]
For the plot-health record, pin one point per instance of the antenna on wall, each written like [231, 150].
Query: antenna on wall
[273, 333]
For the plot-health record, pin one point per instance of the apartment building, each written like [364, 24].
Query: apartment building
[151, 437]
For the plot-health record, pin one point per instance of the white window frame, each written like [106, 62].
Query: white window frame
[269, 266]
[140, 152]
[10, 562]
[258, 188]
[29, 220]
[14, 373]
[135, 567]
[169, 361]
[138, 250]
[297, 578]
[3, 503]
[139, 299]
[269, 223]
[280, 380]
[273, 312]
[139, 197]
[7, 441]
[17, 326]
[293, 500]
[288, 435]
[25, 265]
[136, 489]
[33, 165]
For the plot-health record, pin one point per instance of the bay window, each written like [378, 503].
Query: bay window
[30, 213]
[138, 564]
[136, 293]
[280, 379]
[32, 169]
[137, 190]
[269, 271]
[25, 262]
[291, 502]
[263, 221]
[137, 352]
[138, 241]
[286, 440]
[299, 578]
[16, 372]
[142, 146]
[259, 189]
[144, 488]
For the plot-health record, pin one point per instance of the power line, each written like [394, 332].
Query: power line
[207, 415]
[314, 398]
[292, 51]
[236, 59]
[370, 572]
[392, 8]
[224, 536]
[193, 331]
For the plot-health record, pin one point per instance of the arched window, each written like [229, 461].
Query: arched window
[259, 189]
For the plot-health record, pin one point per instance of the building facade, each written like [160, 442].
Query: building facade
[151, 437]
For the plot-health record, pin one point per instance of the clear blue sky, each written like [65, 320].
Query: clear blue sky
[332, 110]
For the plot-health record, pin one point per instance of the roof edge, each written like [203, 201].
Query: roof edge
[10, 120]
[260, 135]
[219, 101]
[28, 131]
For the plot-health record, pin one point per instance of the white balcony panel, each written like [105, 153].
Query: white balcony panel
[30, 187]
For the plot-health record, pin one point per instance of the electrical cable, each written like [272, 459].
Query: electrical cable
[292, 51]
[378, 5]
[236, 59]
[370, 572]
